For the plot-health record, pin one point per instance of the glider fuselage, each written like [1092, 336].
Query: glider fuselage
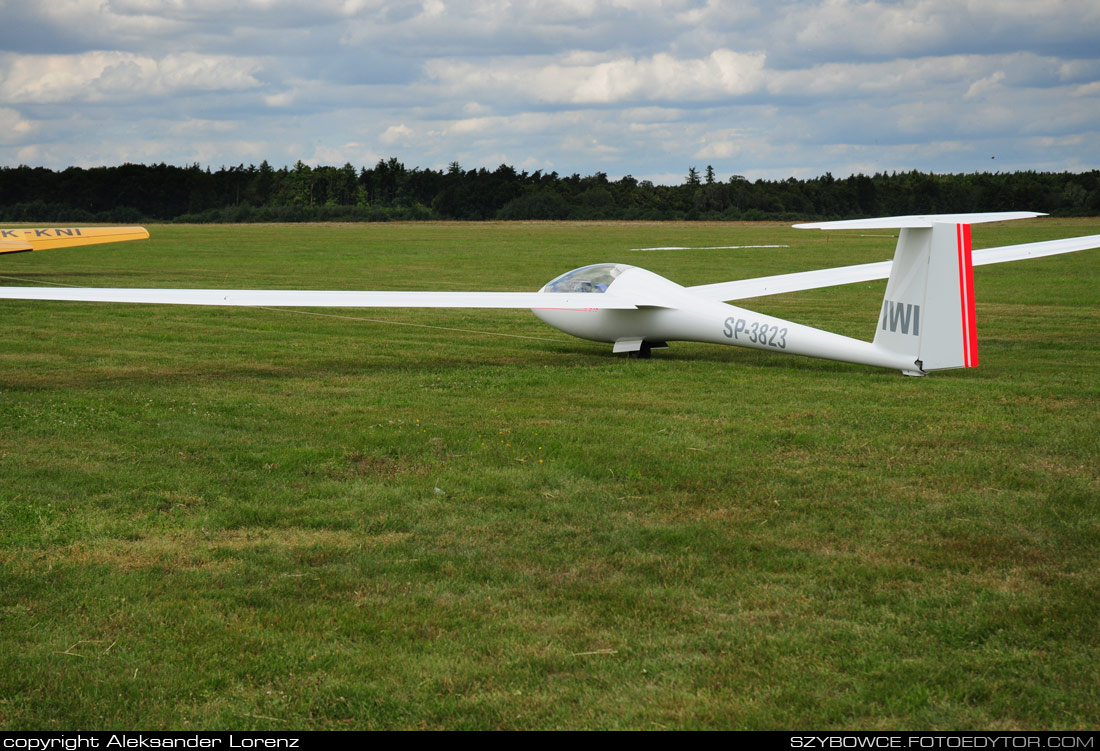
[670, 312]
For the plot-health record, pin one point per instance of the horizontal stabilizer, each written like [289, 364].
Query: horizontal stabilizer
[920, 220]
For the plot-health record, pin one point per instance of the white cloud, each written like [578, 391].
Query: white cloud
[587, 144]
[353, 153]
[100, 76]
[587, 79]
[196, 127]
[282, 99]
[983, 87]
[911, 79]
[718, 149]
[862, 29]
[396, 134]
[1087, 90]
[14, 128]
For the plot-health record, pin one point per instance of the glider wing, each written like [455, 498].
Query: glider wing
[777, 285]
[21, 240]
[323, 299]
[866, 272]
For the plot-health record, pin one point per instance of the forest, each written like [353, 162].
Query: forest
[389, 191]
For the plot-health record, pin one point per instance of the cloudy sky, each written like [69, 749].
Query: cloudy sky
[761, 88]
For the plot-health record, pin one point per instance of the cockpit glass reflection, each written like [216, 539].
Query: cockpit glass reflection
[595, 278]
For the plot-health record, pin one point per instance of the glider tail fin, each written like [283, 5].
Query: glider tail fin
[928, 309]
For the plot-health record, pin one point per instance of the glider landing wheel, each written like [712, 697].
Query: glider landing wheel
[644, 353]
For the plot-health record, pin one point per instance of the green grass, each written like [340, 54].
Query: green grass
[265, 519]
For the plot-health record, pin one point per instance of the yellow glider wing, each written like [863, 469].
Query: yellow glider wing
[22, 240]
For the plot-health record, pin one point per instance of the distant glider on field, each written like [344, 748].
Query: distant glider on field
[26, 240]
[926, 321]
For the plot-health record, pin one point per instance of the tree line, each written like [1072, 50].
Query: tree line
[390, 191]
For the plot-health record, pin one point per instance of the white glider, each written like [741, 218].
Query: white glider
[926, 322]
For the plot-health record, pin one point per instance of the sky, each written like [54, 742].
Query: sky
[760, 88]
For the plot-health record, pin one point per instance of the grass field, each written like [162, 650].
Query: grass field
[269, 519]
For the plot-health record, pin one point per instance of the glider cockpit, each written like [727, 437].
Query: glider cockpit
[595, 278]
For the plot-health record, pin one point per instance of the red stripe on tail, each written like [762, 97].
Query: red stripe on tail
[966, 296]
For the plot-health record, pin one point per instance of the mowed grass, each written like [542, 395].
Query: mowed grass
[267, 519]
